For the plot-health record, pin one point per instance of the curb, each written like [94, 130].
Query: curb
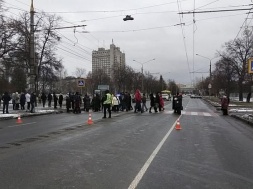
[247, 121]
[30, 115]
[250, 123]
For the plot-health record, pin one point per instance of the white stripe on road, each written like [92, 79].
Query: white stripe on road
[206, 114]
[194, 113]
[22, 124]
[143, 170]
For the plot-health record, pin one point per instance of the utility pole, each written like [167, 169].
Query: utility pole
[210, 72]
[142, 75]
[32, 64]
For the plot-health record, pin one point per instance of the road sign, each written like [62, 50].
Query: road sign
[103, 87]
[80, 83]
[209, 86]
[250, 65]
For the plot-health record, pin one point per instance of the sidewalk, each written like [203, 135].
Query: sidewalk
[39, 110]
[239, 112]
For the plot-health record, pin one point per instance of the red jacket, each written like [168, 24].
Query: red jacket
[137, 96]
[224, 103]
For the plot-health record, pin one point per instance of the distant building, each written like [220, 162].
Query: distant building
[108, 60]
[187, 89]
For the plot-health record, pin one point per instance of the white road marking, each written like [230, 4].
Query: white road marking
[194, 113]
[22, 124]
[206, 114]
[143, 170]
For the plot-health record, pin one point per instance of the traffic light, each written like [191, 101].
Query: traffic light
[128, 17]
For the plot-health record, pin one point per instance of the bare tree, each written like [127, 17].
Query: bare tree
[236, 53]
[48, 65]
[224, 76]
[80, 72]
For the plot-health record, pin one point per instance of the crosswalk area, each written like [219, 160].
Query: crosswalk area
[208, 114]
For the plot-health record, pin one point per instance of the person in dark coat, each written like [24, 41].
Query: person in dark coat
[68, 102]
[224, 104]
[128, 100]
[33, 102]
[22, 101]
[60, 100]
[96, 103]
[86, 102]
[72, 100]
[152, 103]
[77, 100]
[157, 102]
[55, 100]
[49, 98]
[248, 97]
[43, 98]
[6, 99]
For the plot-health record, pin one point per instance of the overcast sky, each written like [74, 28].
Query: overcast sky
[155, 32]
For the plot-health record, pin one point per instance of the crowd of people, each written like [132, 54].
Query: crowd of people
[19, 100]
[75, 102]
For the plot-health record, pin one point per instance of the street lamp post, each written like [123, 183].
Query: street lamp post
[210, 72]
[142, 70]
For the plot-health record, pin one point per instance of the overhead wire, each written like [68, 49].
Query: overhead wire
[193, 40]
[121, 10]
[71, 51]
[154, 27]
[183, 35]
[242, 25]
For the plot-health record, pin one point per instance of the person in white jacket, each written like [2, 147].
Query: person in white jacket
[115, 103]
[28, 100]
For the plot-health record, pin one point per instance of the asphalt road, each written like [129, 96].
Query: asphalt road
[128, 151]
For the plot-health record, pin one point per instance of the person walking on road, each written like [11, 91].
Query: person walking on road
[144, 100]
[157, 102]
[6, 98]
[152, 103]
[107, 102]
[224, 104]
[162, 103]
[137, 98]
[28, 101]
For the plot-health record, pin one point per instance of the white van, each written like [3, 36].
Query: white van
[166, 96]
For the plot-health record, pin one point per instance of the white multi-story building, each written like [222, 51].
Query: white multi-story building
[108, 60]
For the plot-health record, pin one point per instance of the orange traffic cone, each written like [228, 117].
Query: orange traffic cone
[19, 120]
[178, 126]
[90, 120]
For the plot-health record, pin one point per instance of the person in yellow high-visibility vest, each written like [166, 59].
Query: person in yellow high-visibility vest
[107, 103]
